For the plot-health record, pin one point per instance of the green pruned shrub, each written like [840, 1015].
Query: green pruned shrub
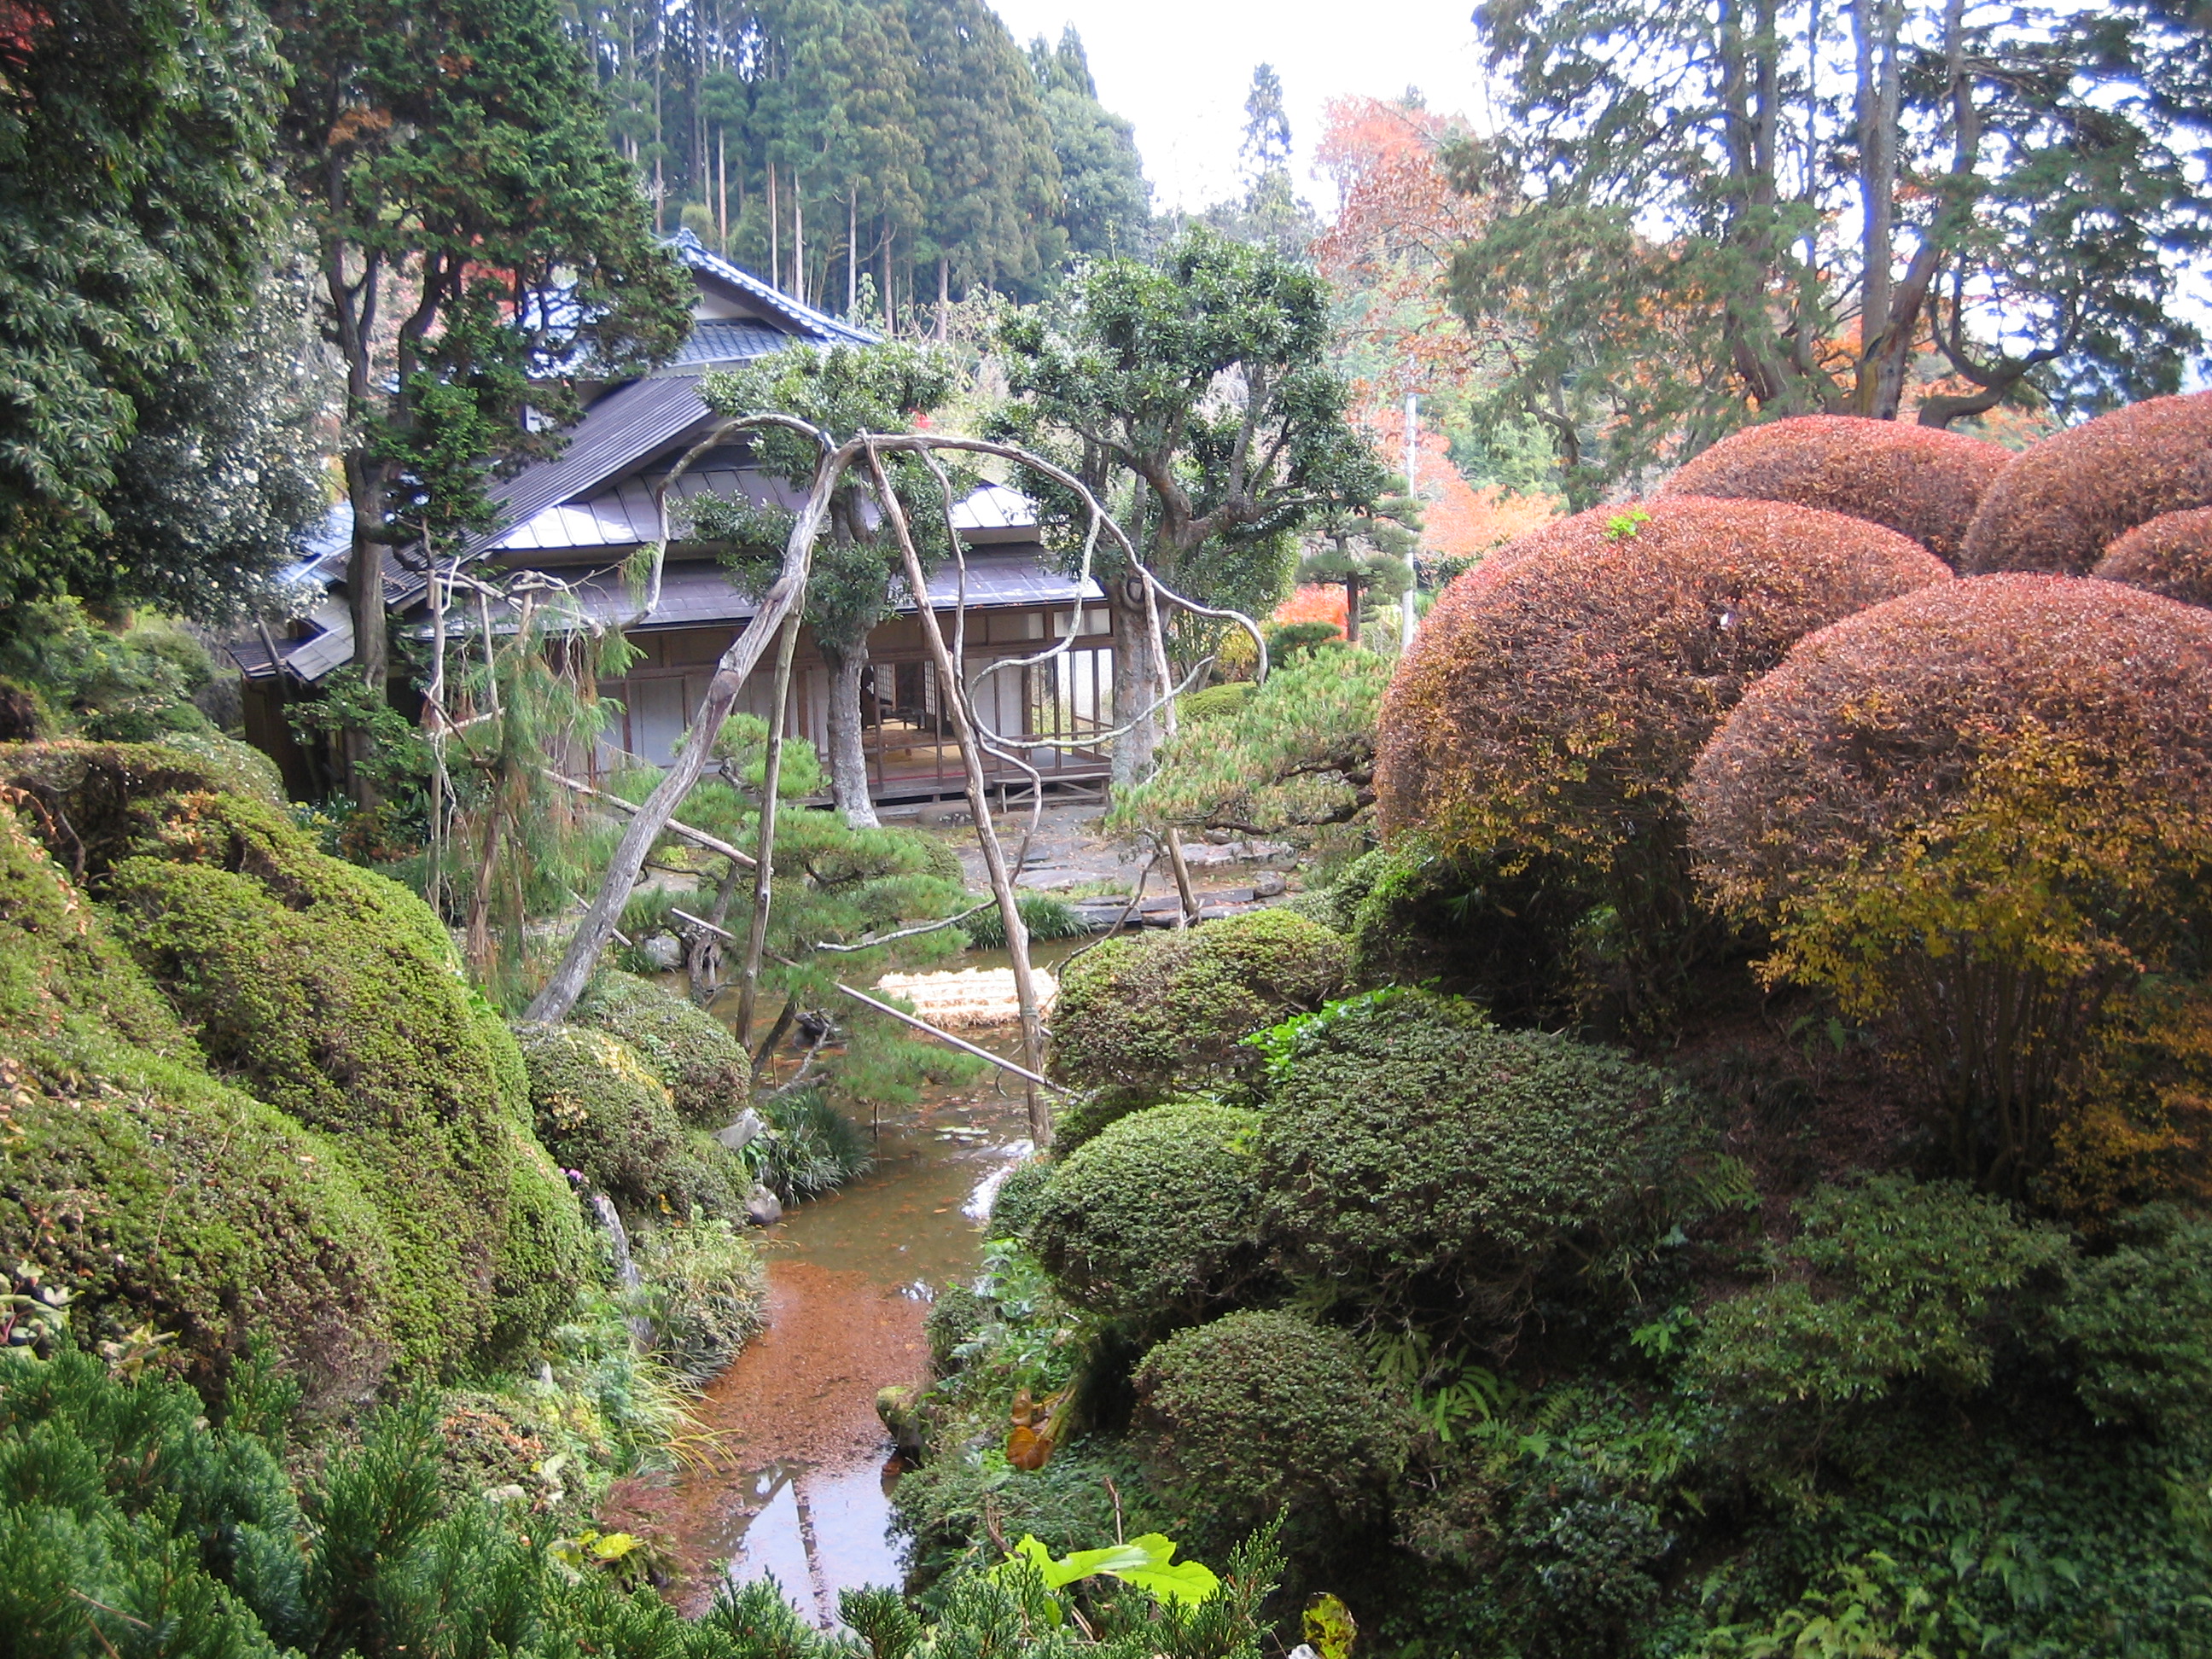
[1145, 1018]
[1431, 1166]
[946, 1507]
[156, 1195]
[601, 1111]
[334, 995]
[1214, 702]
[1899, 1282]
[1261, 1411]
[953, 1319]
[2136, 1321]
[1045, 916]
[706, 1291]
[1014, 1205]
[705, 1067]
[1156, 1222]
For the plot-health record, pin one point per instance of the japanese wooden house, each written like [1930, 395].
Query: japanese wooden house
[579, 516]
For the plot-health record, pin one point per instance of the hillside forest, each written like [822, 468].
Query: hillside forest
[1692, 557]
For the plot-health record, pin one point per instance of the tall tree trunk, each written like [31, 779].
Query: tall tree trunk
[848, 754]
[944, 297]
[890, 317]
[722, 190]
[1136, 686]
[1351, 610]
[365, 574]
[852, 252]
[797, 240]
[764, 854]
[774, 233]
[1877, 96]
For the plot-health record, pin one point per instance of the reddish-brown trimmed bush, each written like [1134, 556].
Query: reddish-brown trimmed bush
[2170, 555]
[2063, 502]
[1981, 811]
[1548, 711]
[1919, 481]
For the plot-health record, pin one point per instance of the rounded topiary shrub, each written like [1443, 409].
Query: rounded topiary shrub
[1262, 1412]
[152, 1192]
[1156, 1221]
[603, 1112]
[2065, 501]
[705, 1067]
[1980, 812]
[1437, 1169]
[1146, 1017]
[1013, 1207]
[1545, 716]
[2170, 555]
[335, 996]
[1919, 481]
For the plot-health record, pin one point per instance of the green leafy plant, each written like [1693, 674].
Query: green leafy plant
[1147, 1563]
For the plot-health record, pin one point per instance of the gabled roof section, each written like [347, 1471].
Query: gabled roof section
[617, 435]
[812, 326]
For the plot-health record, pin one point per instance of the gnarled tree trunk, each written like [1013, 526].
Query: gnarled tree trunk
[848, 755]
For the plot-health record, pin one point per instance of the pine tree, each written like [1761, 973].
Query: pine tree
[1364, 551]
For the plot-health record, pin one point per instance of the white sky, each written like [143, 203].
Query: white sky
[1180, 68]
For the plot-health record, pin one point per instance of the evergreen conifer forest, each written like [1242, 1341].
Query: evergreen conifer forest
[1683, 596]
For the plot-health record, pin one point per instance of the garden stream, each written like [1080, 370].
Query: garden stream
[796, 1484]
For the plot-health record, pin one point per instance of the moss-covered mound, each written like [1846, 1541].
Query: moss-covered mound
[705, 1067]
[1917, 480]
[1156, 1221]
[1423, 1161]
[1261, 1412]
[1143, 1018]
[155, 1194]
[602, 1111]
[334, 995]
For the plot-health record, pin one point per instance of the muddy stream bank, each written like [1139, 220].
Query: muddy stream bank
[802, 1470]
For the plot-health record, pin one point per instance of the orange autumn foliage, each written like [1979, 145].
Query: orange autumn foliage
[1312, 602]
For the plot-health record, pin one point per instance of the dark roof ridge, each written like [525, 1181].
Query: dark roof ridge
[696, 253]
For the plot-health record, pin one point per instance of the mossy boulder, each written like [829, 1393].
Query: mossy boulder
[1156, 1223]
[334, 995]
[1438, 1169]
[603, 1112]
[157, 1195]
[1264, 1412]
[1143, 1018]
[705, 1067]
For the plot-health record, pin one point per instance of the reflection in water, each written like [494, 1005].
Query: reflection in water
[849, 1277]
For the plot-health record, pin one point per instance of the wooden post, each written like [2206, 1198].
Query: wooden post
[764, 856]
[979, 797]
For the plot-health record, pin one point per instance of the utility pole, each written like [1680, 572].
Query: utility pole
[1408, 615]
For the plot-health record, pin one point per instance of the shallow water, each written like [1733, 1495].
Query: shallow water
[801, 1487]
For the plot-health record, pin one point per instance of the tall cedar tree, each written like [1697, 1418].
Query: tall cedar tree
[137, 232]
[2022, 193]
[1194, 398]
[1105, 205]
[482, 246]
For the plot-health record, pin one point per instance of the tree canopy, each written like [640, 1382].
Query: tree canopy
[150, 446]
[1710, 214]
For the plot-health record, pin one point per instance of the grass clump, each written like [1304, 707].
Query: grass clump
[1043, 914]
[706, 1292]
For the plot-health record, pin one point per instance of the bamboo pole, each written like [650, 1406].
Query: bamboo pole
[1034, 1080]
